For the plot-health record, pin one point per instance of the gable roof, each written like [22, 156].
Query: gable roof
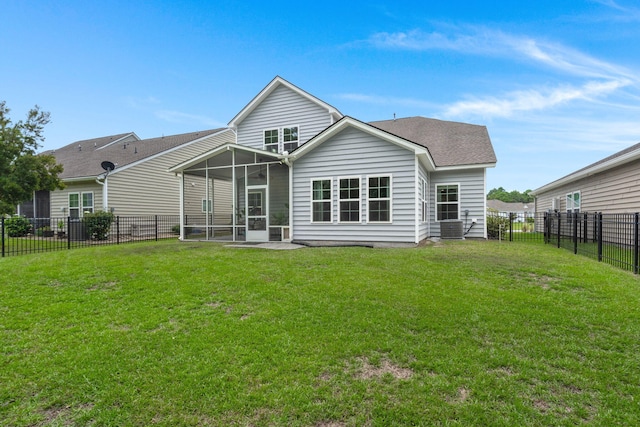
[82, 159]
[627, 155]
[449, 143]
[273, 85]
[441, 144]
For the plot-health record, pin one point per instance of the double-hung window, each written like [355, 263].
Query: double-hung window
[349, 199]
[207, 206]
[79, 203]
[573, 202]
[447, 201]
[278, 140]
[379, 200]
[271, 140]
[321, 206]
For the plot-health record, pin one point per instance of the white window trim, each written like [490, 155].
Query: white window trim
[281, 133]
[312, 201]
[424, 201]
[359, 178]
[209, 205]
[571, 196]
[280, 142]
[390, 198]
[93, 201]
[435, 194]
[79, 207]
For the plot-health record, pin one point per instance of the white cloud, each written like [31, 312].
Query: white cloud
[531, 100]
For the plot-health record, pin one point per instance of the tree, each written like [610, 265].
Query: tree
[22, 170]
[509, 196]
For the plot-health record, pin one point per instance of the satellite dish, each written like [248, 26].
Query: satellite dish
[108, 166]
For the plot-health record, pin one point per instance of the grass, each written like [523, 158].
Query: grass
[197, 334]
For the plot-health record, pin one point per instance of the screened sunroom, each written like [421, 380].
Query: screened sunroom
[235, 193]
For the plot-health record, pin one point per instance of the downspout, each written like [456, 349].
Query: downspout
[105, 193]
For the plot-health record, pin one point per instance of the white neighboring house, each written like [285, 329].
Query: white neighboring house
[298, 170]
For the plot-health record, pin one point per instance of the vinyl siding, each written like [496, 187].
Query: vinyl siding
[348, 154]
[613, 191]
[472, 197]
[147, 188]
[60, 198]
[283, 107]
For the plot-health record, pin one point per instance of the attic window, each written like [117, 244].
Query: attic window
[281, 139]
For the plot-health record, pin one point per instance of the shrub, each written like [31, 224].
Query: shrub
[493, 225]
[176, 229]
[98, 224]
[17, 226]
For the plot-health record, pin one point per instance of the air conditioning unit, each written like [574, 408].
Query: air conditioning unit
[451, 229]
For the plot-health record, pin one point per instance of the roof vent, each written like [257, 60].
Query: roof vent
[79, 147]
[451, 229]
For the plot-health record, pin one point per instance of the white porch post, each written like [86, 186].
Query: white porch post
[181, 176]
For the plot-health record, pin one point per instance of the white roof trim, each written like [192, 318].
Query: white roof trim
[351, 122]
[273, 85]
[216, 151]
[588, 171]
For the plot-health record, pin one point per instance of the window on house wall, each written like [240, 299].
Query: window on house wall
[424, 199]
[379, 200]
[281, 139]
[321, 200]
[447, 201]
[349, 199]
[290, 138]
[573, 202]
[271, 140]
[74, 205]
[87, 202]
[207, 207]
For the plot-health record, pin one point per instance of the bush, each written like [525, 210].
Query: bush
[17, 226]
[493, 226]
[98, 224]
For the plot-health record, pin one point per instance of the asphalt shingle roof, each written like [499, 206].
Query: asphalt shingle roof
[449, 143]
[83, 158]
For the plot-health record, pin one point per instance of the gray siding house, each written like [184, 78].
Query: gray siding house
[299, 170]
[609, 185]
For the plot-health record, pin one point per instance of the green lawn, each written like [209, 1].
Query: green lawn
[198, 334]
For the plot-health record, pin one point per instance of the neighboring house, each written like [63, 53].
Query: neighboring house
[609, 185]
[521, 211]
[301, 171]
[140, 183]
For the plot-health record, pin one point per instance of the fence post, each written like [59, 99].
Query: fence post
[2, 237]
[559, 229]
[511, 226]
[636, 242]
[575, 232]
[546, 227]
[585, 234]
[69, 232]
[599, 236]
[156, 222]
[117, 229]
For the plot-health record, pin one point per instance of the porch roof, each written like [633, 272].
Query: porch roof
[221, 150]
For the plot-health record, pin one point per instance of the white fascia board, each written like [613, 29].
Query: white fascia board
[465, 167]
[170, 150]
[602, 167]
[81, 178]
[278, 81]
[221, 149]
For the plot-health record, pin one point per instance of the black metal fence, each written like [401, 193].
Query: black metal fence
[610, 238]
[31, 235]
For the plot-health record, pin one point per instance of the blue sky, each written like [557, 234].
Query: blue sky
[556, 83]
